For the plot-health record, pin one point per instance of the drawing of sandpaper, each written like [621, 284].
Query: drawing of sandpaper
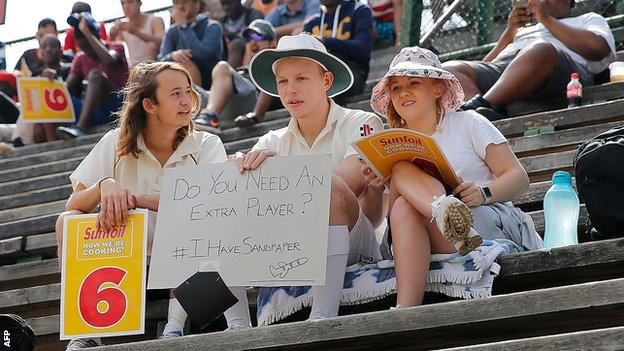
[204, 296]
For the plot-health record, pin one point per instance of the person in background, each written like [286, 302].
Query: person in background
[536, 61]
[193, 41]
[213, 9]
[70, 46]
[237, 18]
[143, 33]
[264, 6]
[387, 19]
[418, 94]
[345, 27]
[125, 168]
[53, 68]
[288, 18]
[31, 60]
[104, 66]
[233, 95]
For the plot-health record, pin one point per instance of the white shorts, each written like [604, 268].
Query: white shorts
[363, 245]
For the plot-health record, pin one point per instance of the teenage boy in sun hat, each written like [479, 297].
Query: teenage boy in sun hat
[306, 77]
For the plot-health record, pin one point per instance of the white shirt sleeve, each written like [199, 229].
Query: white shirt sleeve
[98, 164]
[599, 26]
[481, 132]
[364, 122]
[266, 142]
[212, 150]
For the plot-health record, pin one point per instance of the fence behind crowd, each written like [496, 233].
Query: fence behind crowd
[450, 25]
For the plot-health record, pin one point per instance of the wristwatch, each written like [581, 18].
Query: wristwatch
[487, 194]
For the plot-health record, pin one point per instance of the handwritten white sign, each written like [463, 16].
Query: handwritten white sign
[263, 228]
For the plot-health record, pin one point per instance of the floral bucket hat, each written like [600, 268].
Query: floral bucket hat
[417, 62]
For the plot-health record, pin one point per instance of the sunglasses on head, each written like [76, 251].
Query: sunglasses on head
[255, 37]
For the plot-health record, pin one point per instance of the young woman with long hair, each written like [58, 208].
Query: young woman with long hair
[125, 169]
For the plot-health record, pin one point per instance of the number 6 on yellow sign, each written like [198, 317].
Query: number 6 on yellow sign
[103, 276]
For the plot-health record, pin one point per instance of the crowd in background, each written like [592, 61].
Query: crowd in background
[213, 39]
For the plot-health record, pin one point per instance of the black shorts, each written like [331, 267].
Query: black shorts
[489, 72]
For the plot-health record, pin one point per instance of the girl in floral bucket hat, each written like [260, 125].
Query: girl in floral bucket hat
[418, 94]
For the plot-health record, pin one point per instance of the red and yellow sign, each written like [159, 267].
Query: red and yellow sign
[45, 101]
[103, 277]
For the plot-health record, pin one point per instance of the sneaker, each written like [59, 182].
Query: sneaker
[171, 334]
[474, 103]
[68, 133]
[493, 113]
[454, 219]
[246, 120]
[208, 119]
[76, 344]
[397, 307]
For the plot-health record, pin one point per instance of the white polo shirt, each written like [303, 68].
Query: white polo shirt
[144, 175]
[342, 128]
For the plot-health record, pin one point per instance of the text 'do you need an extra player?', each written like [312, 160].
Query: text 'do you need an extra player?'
[266, 227]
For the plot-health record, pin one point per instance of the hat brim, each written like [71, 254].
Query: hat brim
[248, 30]
[451, 99]
[261, 71]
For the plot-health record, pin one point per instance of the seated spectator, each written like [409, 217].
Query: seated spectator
[32, 57]
[306, 77]
[345, 27]
[288, 18]
[264, 6]
[120, 172]
[142, 33]
[232, 93]
[194, 41]
[417, 94]
[50, 53]
[104, 66]
[536, 62]
[69, 47]
[237, 18]
[387, 19]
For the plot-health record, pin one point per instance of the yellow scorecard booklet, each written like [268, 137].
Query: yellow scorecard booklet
[383, 149]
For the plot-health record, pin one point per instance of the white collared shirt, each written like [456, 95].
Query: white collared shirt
[144, 175]
[342, 128]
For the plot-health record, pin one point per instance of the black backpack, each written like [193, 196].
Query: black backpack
[599, 168]
[16, 334]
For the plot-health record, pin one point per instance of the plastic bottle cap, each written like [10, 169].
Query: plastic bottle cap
[574, 75]
[562, 177]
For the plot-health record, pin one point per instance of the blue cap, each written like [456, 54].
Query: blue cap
[562, 177]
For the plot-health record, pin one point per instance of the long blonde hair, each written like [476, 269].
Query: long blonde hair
[142, 84]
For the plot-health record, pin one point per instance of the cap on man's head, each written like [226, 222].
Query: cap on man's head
[262, 27]
[304, 45]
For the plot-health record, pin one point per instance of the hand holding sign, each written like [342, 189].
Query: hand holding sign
[266, 227]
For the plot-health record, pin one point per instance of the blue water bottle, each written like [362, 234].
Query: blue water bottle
[561, 211]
